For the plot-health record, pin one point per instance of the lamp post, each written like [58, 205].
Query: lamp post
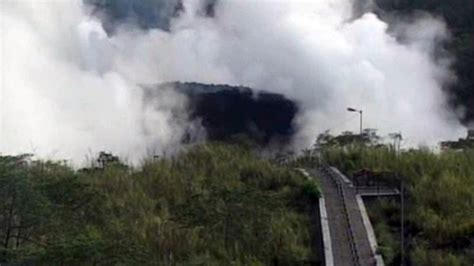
[350, 109]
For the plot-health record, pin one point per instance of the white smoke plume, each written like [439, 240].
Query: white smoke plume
[68, 88]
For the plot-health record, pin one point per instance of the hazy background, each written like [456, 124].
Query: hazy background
[71, 71]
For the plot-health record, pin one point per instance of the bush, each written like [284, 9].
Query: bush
[311, 191]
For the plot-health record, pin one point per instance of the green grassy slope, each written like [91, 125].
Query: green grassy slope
[212, 205]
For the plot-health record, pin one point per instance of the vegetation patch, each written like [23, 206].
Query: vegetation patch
[214, 204]
[439, 200]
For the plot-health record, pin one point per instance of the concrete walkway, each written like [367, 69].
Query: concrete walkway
[350, 242]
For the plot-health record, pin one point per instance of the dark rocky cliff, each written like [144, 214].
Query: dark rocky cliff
[228, 112]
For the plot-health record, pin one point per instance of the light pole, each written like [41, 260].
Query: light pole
[350, 109]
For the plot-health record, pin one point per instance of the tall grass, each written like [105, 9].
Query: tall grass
[212, 205]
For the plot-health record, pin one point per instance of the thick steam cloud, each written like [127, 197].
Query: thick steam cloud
[70, 89]
[67, 91]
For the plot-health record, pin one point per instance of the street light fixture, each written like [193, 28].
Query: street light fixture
[350, 109]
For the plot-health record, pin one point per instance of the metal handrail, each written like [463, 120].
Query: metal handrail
[354, 251]
[350, 232]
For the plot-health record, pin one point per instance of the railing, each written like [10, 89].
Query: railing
[350, 231]
[341, 192]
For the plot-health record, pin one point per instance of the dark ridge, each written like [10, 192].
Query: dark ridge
[360, 7]
[147, 14]
[210, 8]
[459, 16]
[228, 113]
